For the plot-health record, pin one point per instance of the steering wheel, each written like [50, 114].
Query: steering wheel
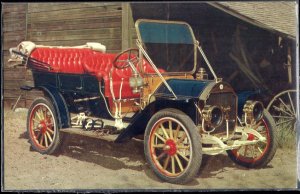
[122, 60]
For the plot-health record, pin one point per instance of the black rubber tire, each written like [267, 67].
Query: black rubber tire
[57, 138]
[192, 170]
[269, 153]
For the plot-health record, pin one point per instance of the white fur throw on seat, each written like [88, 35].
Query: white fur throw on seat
[26, 47]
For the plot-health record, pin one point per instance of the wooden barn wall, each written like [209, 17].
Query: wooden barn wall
[71, 24]
[13, 32]
[60, 24]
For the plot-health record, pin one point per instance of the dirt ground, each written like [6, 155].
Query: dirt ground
[88, 163]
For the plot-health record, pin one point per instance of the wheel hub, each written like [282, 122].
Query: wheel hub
[250, 137]
[43, 126]
[170, 147]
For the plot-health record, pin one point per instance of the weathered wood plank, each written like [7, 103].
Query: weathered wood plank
[75, 34]
[13, 74]
[14, 7]
[125, 26]
[13, 84]
[109, 22]
[14, 26]
[12, 93]
[14, 16]
[9, 44]
[9, 102]
[43, 7]
[72, 14]
[16, 38]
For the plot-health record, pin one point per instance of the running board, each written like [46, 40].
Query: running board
[91, 133]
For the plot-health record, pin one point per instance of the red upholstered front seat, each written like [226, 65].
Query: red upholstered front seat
[100, 65]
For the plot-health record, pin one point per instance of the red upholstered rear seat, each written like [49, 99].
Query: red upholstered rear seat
[62, 60]
[80, 61]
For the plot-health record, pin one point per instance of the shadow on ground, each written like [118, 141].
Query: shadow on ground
[130, 155]
[105, 153]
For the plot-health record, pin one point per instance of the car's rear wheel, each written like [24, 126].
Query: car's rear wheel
[260, 154]
[42, 126]
[173, 146]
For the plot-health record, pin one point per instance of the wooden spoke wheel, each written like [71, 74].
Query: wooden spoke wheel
[173, 146]
[42, 126]
[259, 154]
[283, 110]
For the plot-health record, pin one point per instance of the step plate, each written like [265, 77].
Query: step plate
[90, 133]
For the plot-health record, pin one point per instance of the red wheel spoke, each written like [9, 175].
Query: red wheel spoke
[257, 125]
[45, 114]
[46, 140]
[161, 155]
[183, 156]
[36, 129]
[50, 125]
[171, 129]
[160, 137]
[50, 130]
[173, 164]
[245, 150]
[181, 139]
[159, 145]
[42, 140]
[35, 120]
[38, 135]
[38, 115]
[166, 162]
[48, 135]
[176, 132]
[183, 147]
[179, 163]
[258, 148]
[164, 130]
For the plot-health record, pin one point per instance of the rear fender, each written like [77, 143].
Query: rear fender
[59, 105]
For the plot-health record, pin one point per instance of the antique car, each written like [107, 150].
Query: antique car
[159, 90]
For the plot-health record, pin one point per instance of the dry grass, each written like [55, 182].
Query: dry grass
[286, 136]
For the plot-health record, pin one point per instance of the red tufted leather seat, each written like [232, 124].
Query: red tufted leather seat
[87, 61]
[61, 60]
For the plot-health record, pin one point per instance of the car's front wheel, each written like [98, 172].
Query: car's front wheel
[173, 146]
[260, 154]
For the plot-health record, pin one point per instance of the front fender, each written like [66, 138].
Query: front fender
[140, 121]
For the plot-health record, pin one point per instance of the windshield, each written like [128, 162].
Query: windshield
[170, 45]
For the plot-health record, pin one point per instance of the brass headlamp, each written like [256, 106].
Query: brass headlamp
[212, 115]
[253, 110]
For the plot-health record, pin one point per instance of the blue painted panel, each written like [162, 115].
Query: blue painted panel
[165, 33]
[182, 87]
